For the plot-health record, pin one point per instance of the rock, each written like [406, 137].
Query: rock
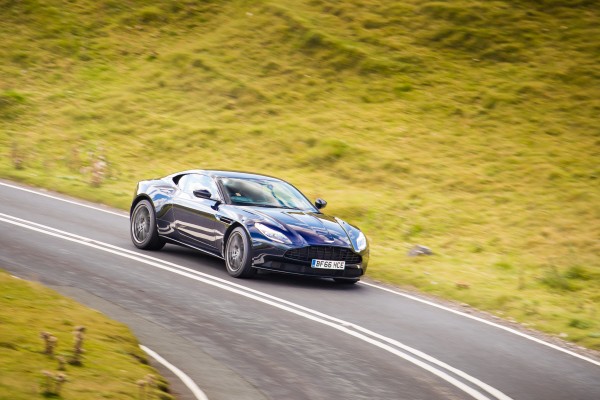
[420, 250]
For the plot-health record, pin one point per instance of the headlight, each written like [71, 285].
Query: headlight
[361, 241]
[272, 233]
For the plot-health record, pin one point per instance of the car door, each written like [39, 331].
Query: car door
[195, 217]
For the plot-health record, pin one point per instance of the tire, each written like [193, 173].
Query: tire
[238, 254]
[346, 281]
[142, 227]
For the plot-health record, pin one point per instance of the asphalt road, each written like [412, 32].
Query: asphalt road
[278, 337]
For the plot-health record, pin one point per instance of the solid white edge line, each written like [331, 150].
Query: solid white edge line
[65, 200]
[484, 321]
[123, 253]
[187, 381]
[505, 328]
[346, 324]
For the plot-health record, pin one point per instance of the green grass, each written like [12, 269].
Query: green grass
[112, 362]
[467, 126]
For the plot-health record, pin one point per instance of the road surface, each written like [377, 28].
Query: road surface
[276, 336]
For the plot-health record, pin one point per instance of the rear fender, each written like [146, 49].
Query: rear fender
[159, 192]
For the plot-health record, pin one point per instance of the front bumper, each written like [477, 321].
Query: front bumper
[351, 271]
[271, 257]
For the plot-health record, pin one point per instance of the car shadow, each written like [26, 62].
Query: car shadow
[305, 282]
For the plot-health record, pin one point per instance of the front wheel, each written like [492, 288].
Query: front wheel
[144, 233]
[238, 254]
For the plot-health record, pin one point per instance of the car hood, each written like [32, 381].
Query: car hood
[313, 228]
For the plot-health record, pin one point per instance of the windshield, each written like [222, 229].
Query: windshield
[265, 193]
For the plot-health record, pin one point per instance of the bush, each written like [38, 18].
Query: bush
[11, 98]
[555, 280]
[11, 103]
[580, 324]
[578, 272]
[151, 14]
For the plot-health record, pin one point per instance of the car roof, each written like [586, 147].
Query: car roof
[226, 174]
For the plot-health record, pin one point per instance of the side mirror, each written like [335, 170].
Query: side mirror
[205, 194]
[202, 193]
[320, 203]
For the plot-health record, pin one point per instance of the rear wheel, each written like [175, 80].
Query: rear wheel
[238, 254]
[144, 233]
[346, 281]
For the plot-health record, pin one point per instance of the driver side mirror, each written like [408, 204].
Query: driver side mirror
[320, 203]
[202, 193]
[205, 194]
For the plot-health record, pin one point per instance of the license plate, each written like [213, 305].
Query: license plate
[327, 264]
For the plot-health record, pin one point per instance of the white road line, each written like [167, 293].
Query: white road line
[484, 321]
[191, 385]
[405, 295]
[341, 322]
[282, 304]
[65, 200]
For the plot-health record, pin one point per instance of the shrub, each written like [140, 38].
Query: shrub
[578, 272]
[579, 324]
[151, 14]
[553, 279]
[11, 98]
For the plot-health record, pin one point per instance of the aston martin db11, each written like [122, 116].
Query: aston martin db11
[251, 221]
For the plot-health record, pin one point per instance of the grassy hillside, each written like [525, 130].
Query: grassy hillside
[109, 369]
[467, 126]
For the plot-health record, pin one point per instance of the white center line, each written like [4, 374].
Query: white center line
[396, 292]
[484, 321]
[424, 361]
[77, 203]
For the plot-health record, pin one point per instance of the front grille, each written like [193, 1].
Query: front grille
[330, 253]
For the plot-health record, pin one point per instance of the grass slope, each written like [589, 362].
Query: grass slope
[468, 126]
[111, 363]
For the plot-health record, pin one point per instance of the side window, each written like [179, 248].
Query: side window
[191, 182]
[181, 182]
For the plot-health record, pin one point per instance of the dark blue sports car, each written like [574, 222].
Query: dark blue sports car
[251, 221]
